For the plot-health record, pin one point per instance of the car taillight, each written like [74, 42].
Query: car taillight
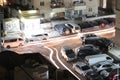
[102, 25]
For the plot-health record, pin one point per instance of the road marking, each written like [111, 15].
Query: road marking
[51, 54]
[64, 64]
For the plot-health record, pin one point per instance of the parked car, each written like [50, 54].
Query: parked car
[67, 53]
[86, 50]
[62, 29]
[38, 37]
[82, 68]
[93, 23]
[102, 23]
[84, 25]
[110, 20]
[104, 65]
[8, 42]
[104, 44]
[84, 36]
[114, 74]
[93, 59]
[74, 27]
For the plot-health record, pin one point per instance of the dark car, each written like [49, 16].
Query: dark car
[68, 53]
[86, 50]
[104, 44]
[102, 22]
[110, 20]
[93, 23]
[85, 25]
[62, 29]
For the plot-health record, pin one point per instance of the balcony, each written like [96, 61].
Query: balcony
[57, 7]
[79, 5]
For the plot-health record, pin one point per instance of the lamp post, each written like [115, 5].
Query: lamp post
[1, 22]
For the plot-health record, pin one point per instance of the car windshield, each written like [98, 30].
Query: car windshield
[85, 67]
[69, 51]
[98, 65]
[90, 35]
[104, 40]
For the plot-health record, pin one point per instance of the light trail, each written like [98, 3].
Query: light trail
[51, 54]
[64, 65]
[101, 31]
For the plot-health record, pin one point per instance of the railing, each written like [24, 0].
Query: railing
[77, 3]
[100, 17]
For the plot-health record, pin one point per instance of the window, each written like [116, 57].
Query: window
[42, 4]
[108, 58]
[20, 39]
[107, 65]
[90, 9]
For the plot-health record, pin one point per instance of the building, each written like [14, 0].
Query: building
[108, 6]
[63, 8]
[91, 9]
[118, 13]
[54, 9]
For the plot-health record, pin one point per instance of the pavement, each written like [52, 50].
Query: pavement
[116, 39]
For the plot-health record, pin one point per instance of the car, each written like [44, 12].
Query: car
[84, 25]
[82, 68]
[86, 50]
[62, 29]
[93, 23]
[74, 27]
[104, 65]
[114, 74]
[104, 44]
[89, 35]
[9, 42]
[67, 53]
[110, 20]
[39, 37]
[93, 59]
[102, 23]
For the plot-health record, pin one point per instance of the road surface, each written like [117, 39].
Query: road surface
[51, 50]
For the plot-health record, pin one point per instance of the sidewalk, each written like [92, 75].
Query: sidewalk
[116, 39]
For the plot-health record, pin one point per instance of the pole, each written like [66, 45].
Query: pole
[1, 22]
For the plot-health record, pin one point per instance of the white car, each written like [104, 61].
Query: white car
[8, 42]
[82, 68]
[68, 53]
[74, 27]
[103, 65]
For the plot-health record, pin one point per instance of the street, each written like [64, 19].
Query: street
[50, 49]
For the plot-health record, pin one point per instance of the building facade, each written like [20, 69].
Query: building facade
[118, 13]
[107, 5]
[66, 8]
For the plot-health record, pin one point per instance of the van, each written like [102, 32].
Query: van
[93, 59]
[9, 42]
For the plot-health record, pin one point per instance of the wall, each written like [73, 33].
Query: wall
[46, 10]
[91, 4]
